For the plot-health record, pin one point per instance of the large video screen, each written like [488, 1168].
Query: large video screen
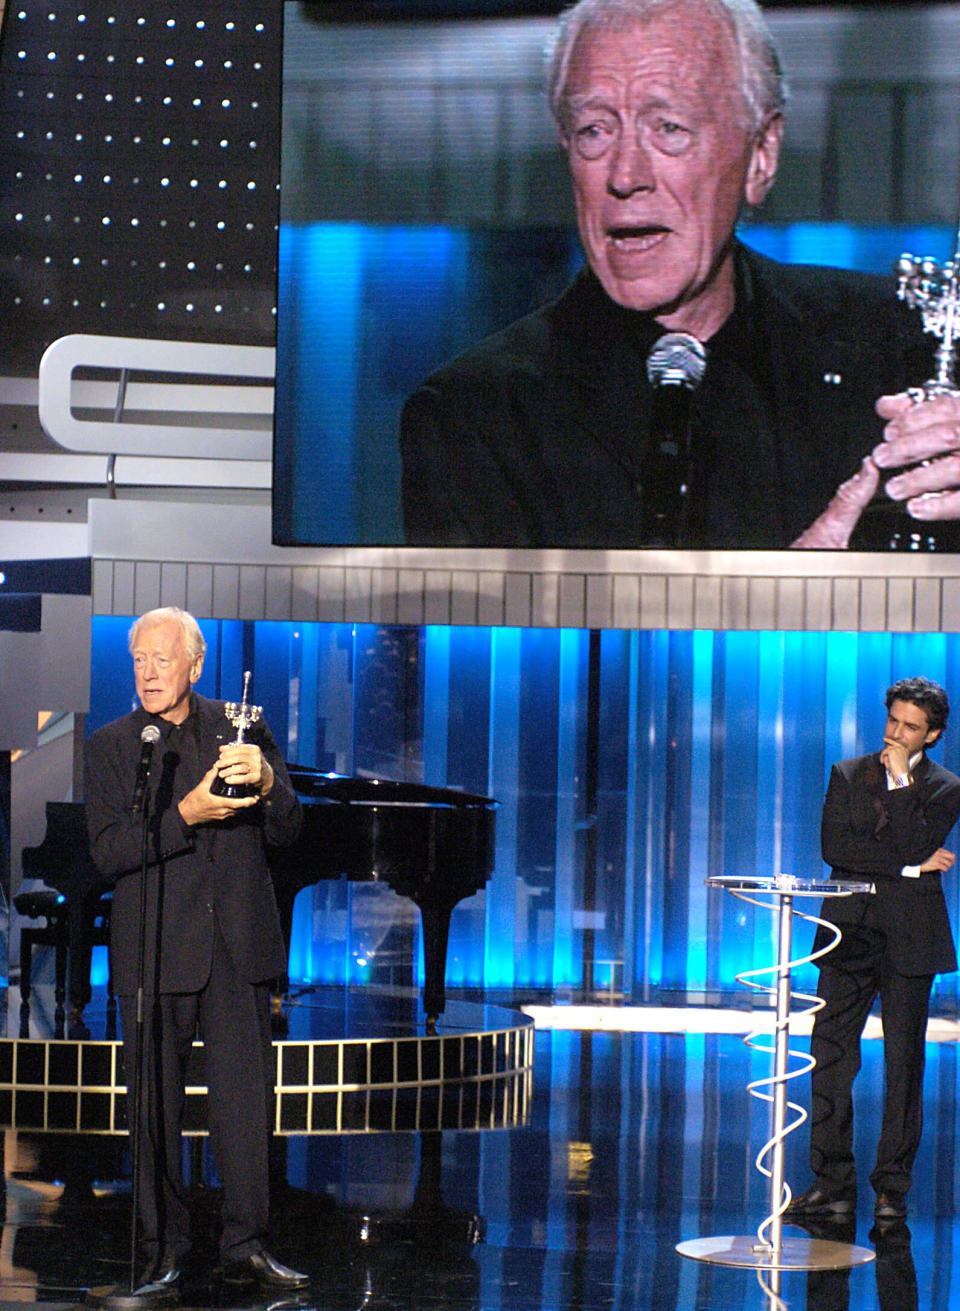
[450, 372]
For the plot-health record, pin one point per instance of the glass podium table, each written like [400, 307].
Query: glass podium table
[768, 1248]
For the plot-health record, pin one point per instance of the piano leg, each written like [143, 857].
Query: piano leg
[60, 983]
[111, 1029]
[285, 891]
[53, 933]
[78, 991]
[26, 966]
[435, 920]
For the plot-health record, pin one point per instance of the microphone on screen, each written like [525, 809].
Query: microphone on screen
[675, 366]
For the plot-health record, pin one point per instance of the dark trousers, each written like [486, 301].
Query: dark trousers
[233, 1019]
[849, 986]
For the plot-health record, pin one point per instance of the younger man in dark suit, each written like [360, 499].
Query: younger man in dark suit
[212, 938]
[885, 818]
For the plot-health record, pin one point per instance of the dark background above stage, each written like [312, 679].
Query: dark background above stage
[139, 170]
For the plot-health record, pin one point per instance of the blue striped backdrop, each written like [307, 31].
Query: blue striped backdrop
[713, 753]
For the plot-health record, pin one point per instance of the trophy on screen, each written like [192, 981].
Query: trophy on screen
[934, 290]
[241, 716]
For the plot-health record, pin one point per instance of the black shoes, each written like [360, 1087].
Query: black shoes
[890, 1206]
[260, 1267]
[817, 1202]
[163, 1273]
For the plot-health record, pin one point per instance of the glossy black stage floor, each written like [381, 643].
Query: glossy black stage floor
[624, 1145]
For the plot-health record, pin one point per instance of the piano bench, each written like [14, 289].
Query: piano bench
[51, 906]
[56, 933]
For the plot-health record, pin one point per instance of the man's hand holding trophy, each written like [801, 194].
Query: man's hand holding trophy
[241, 775]
[242, 770]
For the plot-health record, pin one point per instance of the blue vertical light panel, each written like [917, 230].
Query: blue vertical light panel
[501, 946]
[649, 827]
[321, 273]
[456, 715]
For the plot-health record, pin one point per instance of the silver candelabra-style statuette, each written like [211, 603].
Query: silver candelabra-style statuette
[934, 290]
[241, 715]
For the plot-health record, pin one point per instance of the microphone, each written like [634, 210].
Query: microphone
[675, 366]
[148, 740]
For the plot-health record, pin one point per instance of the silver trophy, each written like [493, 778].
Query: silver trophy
[241, 716]
[934, 290]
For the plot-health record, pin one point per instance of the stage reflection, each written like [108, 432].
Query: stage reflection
[633, 1143]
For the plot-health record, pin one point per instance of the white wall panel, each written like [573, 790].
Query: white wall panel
[817, 604]
[252, 599]
[173, 584]
[873, 604]
[279, 594]
[489, 599]
[226, 591]
[140, 561]
[146, 586]
[200, 589]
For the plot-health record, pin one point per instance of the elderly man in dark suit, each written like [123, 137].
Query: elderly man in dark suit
[550, 433]
[885, 819]
[212, 940]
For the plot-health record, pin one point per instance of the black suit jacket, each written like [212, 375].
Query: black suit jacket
[532, 437]
[214, 873]
[869, 833]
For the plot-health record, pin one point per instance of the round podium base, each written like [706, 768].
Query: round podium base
[794, 1253]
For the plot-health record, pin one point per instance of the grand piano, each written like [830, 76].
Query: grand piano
[434, 845]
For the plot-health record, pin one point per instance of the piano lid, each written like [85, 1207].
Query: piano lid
[313, 785]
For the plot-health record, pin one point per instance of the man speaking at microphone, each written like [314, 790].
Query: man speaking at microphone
[670, 115]
[212, 939]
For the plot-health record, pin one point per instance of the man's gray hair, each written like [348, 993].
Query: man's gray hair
[193, 640]
[761, 77]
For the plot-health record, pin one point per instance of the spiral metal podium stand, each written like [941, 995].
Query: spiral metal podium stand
[767, 1249]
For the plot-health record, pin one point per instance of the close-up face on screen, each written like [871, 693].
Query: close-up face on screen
[583, 283]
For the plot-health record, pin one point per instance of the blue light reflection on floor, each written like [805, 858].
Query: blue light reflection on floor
[634, 1142]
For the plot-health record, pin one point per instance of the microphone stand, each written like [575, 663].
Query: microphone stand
[149, 1295]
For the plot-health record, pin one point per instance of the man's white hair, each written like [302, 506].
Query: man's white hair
[761, 77]
[193, 640]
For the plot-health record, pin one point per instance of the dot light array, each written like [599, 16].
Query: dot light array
[139, 171]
